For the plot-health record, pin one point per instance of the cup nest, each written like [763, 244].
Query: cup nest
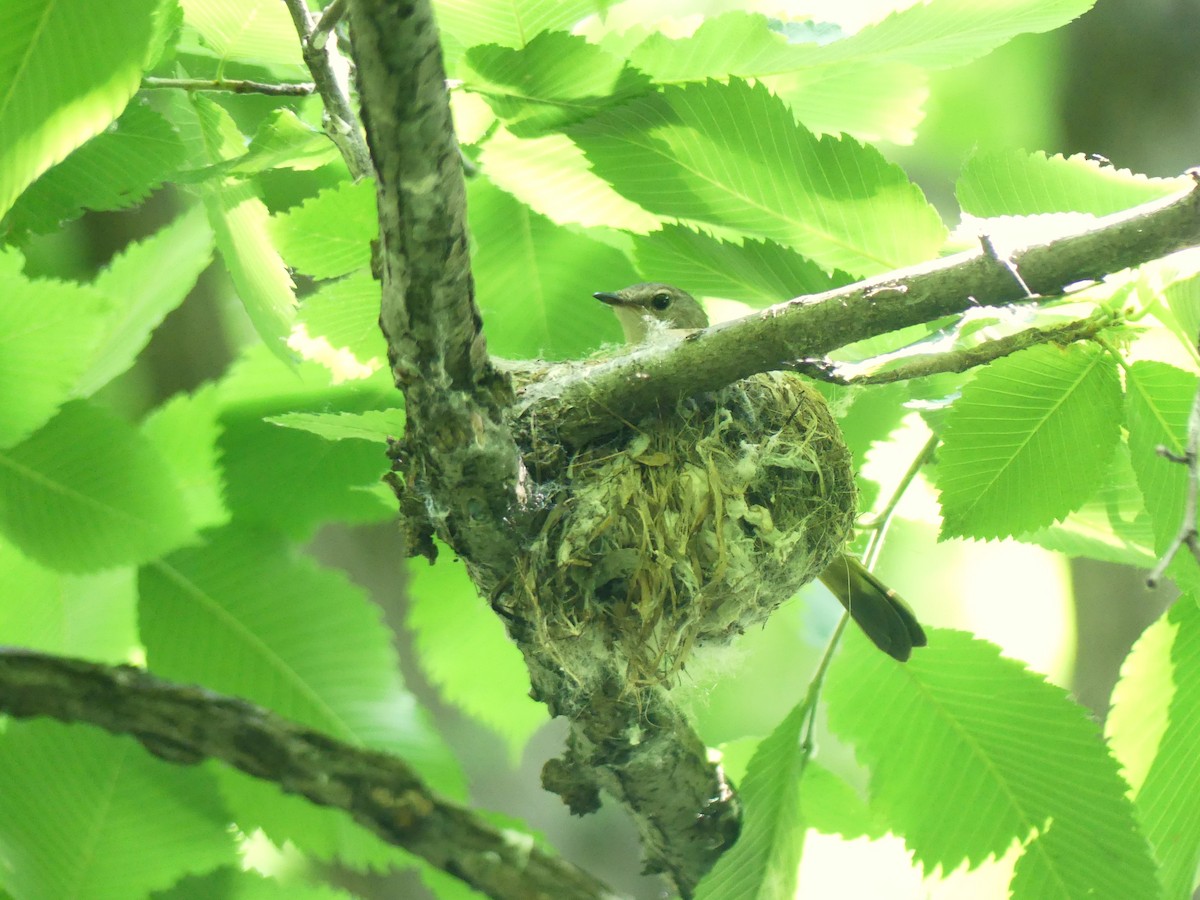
[685, 530]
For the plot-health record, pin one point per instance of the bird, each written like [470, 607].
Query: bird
[882, 615]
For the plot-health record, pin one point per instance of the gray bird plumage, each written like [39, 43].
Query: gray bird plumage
[657, 302]
[885, 618]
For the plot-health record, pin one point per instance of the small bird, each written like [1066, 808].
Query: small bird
[880, 613]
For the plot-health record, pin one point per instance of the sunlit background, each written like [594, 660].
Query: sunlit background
[1121, 83]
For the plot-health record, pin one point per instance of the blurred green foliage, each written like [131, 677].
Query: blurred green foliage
[746, 157]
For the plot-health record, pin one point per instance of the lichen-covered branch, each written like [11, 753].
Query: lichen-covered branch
[643, 753]
[232, 86]
[806, 328]
[429, 312]
[458, 456]
[460, 466]
[329, 71]
[187, 725]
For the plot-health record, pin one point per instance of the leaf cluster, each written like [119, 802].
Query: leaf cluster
[736, 155]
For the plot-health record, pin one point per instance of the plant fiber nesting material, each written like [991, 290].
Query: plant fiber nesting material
[686, 530]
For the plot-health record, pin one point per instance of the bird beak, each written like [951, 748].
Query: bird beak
[610, 299]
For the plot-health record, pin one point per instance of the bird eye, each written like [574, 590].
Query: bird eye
[661, 300]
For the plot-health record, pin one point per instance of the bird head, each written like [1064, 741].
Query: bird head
[638, 305]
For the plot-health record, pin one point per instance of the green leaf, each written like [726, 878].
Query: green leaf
[185, 431]
[1141, 701]
[535, 280]
[167, 20]
[144, 283]
[882, 101]
[115, 169]
[67, 69]
[510, 23]
[742, 44]
[1159, 398]
[731, 155]
[871, 99]
[1015, 183]
[945, 33]
[1029, 440]
[872, 84]
[463, 650]
[867, 417]
[374, 425]
[87, 492]
[1155, 727]
[254, 31]
[330, 234]
[284, 141]
[48, 333]
[763, 863]
[830, 805]
[291, 480]
[970, 752]
[1112, 526]
[445, 886]
[756, 272]
[91, 616]
[554, 80]
[85, 814]
[245, 616]
[240, 222]
[345, 313]
[1182, 316]
[552, 176]
[236, 884]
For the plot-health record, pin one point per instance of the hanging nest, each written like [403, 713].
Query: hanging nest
[684, 531]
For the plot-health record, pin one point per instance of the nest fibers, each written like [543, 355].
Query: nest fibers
[686, 530]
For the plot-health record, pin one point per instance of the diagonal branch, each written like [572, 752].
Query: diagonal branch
[186, 725]
[631, 385]
[232, 86]
[965, 358]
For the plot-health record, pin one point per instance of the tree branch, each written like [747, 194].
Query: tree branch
[595, 401]
[429, 313]
[233, 86]
[964, 358]
[186, 725]
[331, 15]
[460, 460]
[643, 752]
[457, 449]
[329, 73]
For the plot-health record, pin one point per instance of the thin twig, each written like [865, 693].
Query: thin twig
[963, 359]
[808, 745]
[233, 86]
[330, 73]
[329, 18]
[879, 523]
